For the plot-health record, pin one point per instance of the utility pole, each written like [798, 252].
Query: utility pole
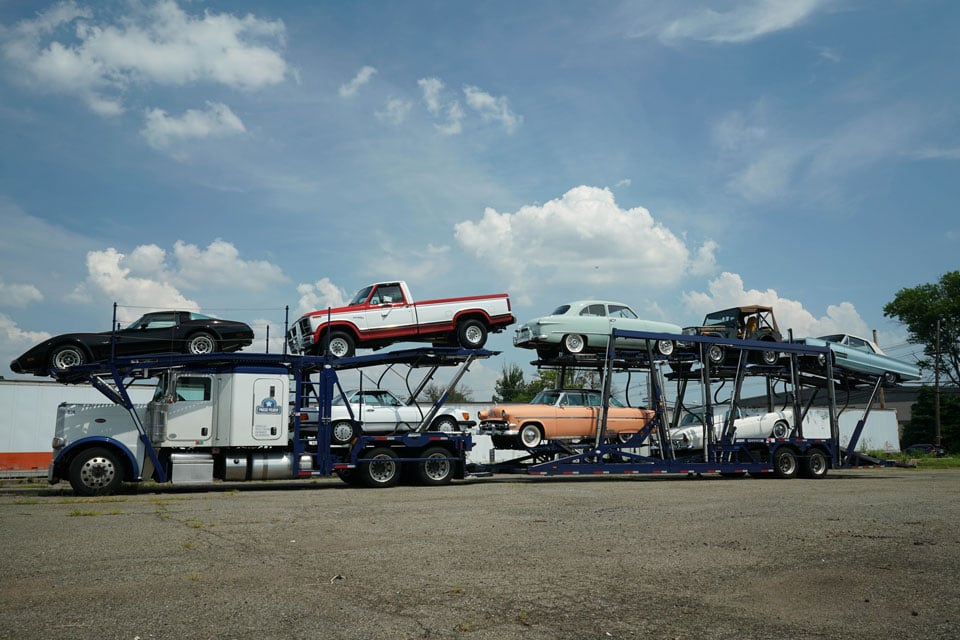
[883, 398]
[936, 389]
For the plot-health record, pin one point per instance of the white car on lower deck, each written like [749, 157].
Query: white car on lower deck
[689, 434]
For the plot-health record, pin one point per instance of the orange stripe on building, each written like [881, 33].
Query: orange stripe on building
[24, 461]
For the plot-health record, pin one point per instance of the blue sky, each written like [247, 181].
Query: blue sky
[239, 157]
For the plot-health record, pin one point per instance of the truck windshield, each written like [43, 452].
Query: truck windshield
[361, 296]
[726, 318]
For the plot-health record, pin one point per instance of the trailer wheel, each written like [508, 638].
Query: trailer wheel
[436, 469]
[785, 463]
[574, 343]
[471, 334]
[95, 472]
[348, 476]
[341, 345]
[814, 465]
[530, 436]
[781, 429]
[67, 356]
[342, 432]
[382, 470]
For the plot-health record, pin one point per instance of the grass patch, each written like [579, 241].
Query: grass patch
[92, 500]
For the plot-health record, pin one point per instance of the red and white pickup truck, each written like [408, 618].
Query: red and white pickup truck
[383, 313]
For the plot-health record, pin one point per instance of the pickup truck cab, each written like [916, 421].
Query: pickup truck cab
[384, 313]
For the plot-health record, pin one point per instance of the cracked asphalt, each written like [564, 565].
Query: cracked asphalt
[859, 554]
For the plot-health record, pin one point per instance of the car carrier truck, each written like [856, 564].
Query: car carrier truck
[236, 417]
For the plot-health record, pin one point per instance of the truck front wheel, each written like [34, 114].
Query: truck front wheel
[95, 472]
[471, 334]
[340, 345]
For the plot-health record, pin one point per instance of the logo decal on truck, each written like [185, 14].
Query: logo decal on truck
[268, 406]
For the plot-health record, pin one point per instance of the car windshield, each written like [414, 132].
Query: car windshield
[621, 311]
[155, 321]
[727, 318]
[361, 296]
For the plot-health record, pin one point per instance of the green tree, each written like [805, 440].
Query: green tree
[920, 308]
[460, 393]
[511, 387]
[921, 427]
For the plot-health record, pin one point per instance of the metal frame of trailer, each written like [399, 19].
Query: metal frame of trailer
[315, 381]
[650, 451]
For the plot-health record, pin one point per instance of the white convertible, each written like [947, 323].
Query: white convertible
[688, 435]
[379, 411]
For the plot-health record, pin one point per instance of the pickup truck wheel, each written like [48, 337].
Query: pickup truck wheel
[381, 469]
[342, 432]
[530, 436]
[67, 356]
[341, 345]
[201, 343]
[95, 472]
[574, 343]
[471, 334]
[436, 469]
[445, 424]
[781, 429]
[814, 465]
[785, 463]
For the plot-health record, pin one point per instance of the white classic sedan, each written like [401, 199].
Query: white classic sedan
[585, 325]
[379, 411]
[688, 435]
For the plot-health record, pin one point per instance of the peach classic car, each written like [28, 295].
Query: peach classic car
[558, 414]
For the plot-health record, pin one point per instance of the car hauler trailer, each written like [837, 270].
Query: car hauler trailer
[245, 416]
[650, 450]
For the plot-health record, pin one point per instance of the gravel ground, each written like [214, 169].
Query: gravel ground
[860, 554]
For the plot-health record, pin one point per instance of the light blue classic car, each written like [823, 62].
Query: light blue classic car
[585, 326]
[864, 356]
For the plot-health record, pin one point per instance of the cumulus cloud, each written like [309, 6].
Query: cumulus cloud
[743, 22]
[727, 290]
[581, 238]
[394, 111]
[363, 76]
[146, 278]
[18, 295]
[492, 108]
[13, 336]
[431, 88]
[320, 295]
[217, 120]
[67, 50]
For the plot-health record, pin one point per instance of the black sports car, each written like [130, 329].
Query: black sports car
[158, 332]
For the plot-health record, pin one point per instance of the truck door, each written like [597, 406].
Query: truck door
[387, 309]
[189, 417]
[269, 422]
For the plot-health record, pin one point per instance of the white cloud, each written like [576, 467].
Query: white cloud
[743, 22]
[363, 76]
[18, 295]
[320, 295]
[14, 340]
[431, 88]
[395, 111]
[162, 131]
[582, 238]
[492, 108]
[727, 290]
[146, 279]
[937, 153]
[66, 50]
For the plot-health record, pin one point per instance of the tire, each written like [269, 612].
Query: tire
[435, 469]
[381, 471]
[785, 463]
[665, 347]
[445, 424]
[530, 436]
[624, 438]
[472, 334]
[890, 378]
[340, 345]
[201, 343]
[574, 343]
[349, 476]
[769, 357]
[95, 472]
[781, 429]
[814, 465]
[67, 356]
[342, 432]
[716, 354]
